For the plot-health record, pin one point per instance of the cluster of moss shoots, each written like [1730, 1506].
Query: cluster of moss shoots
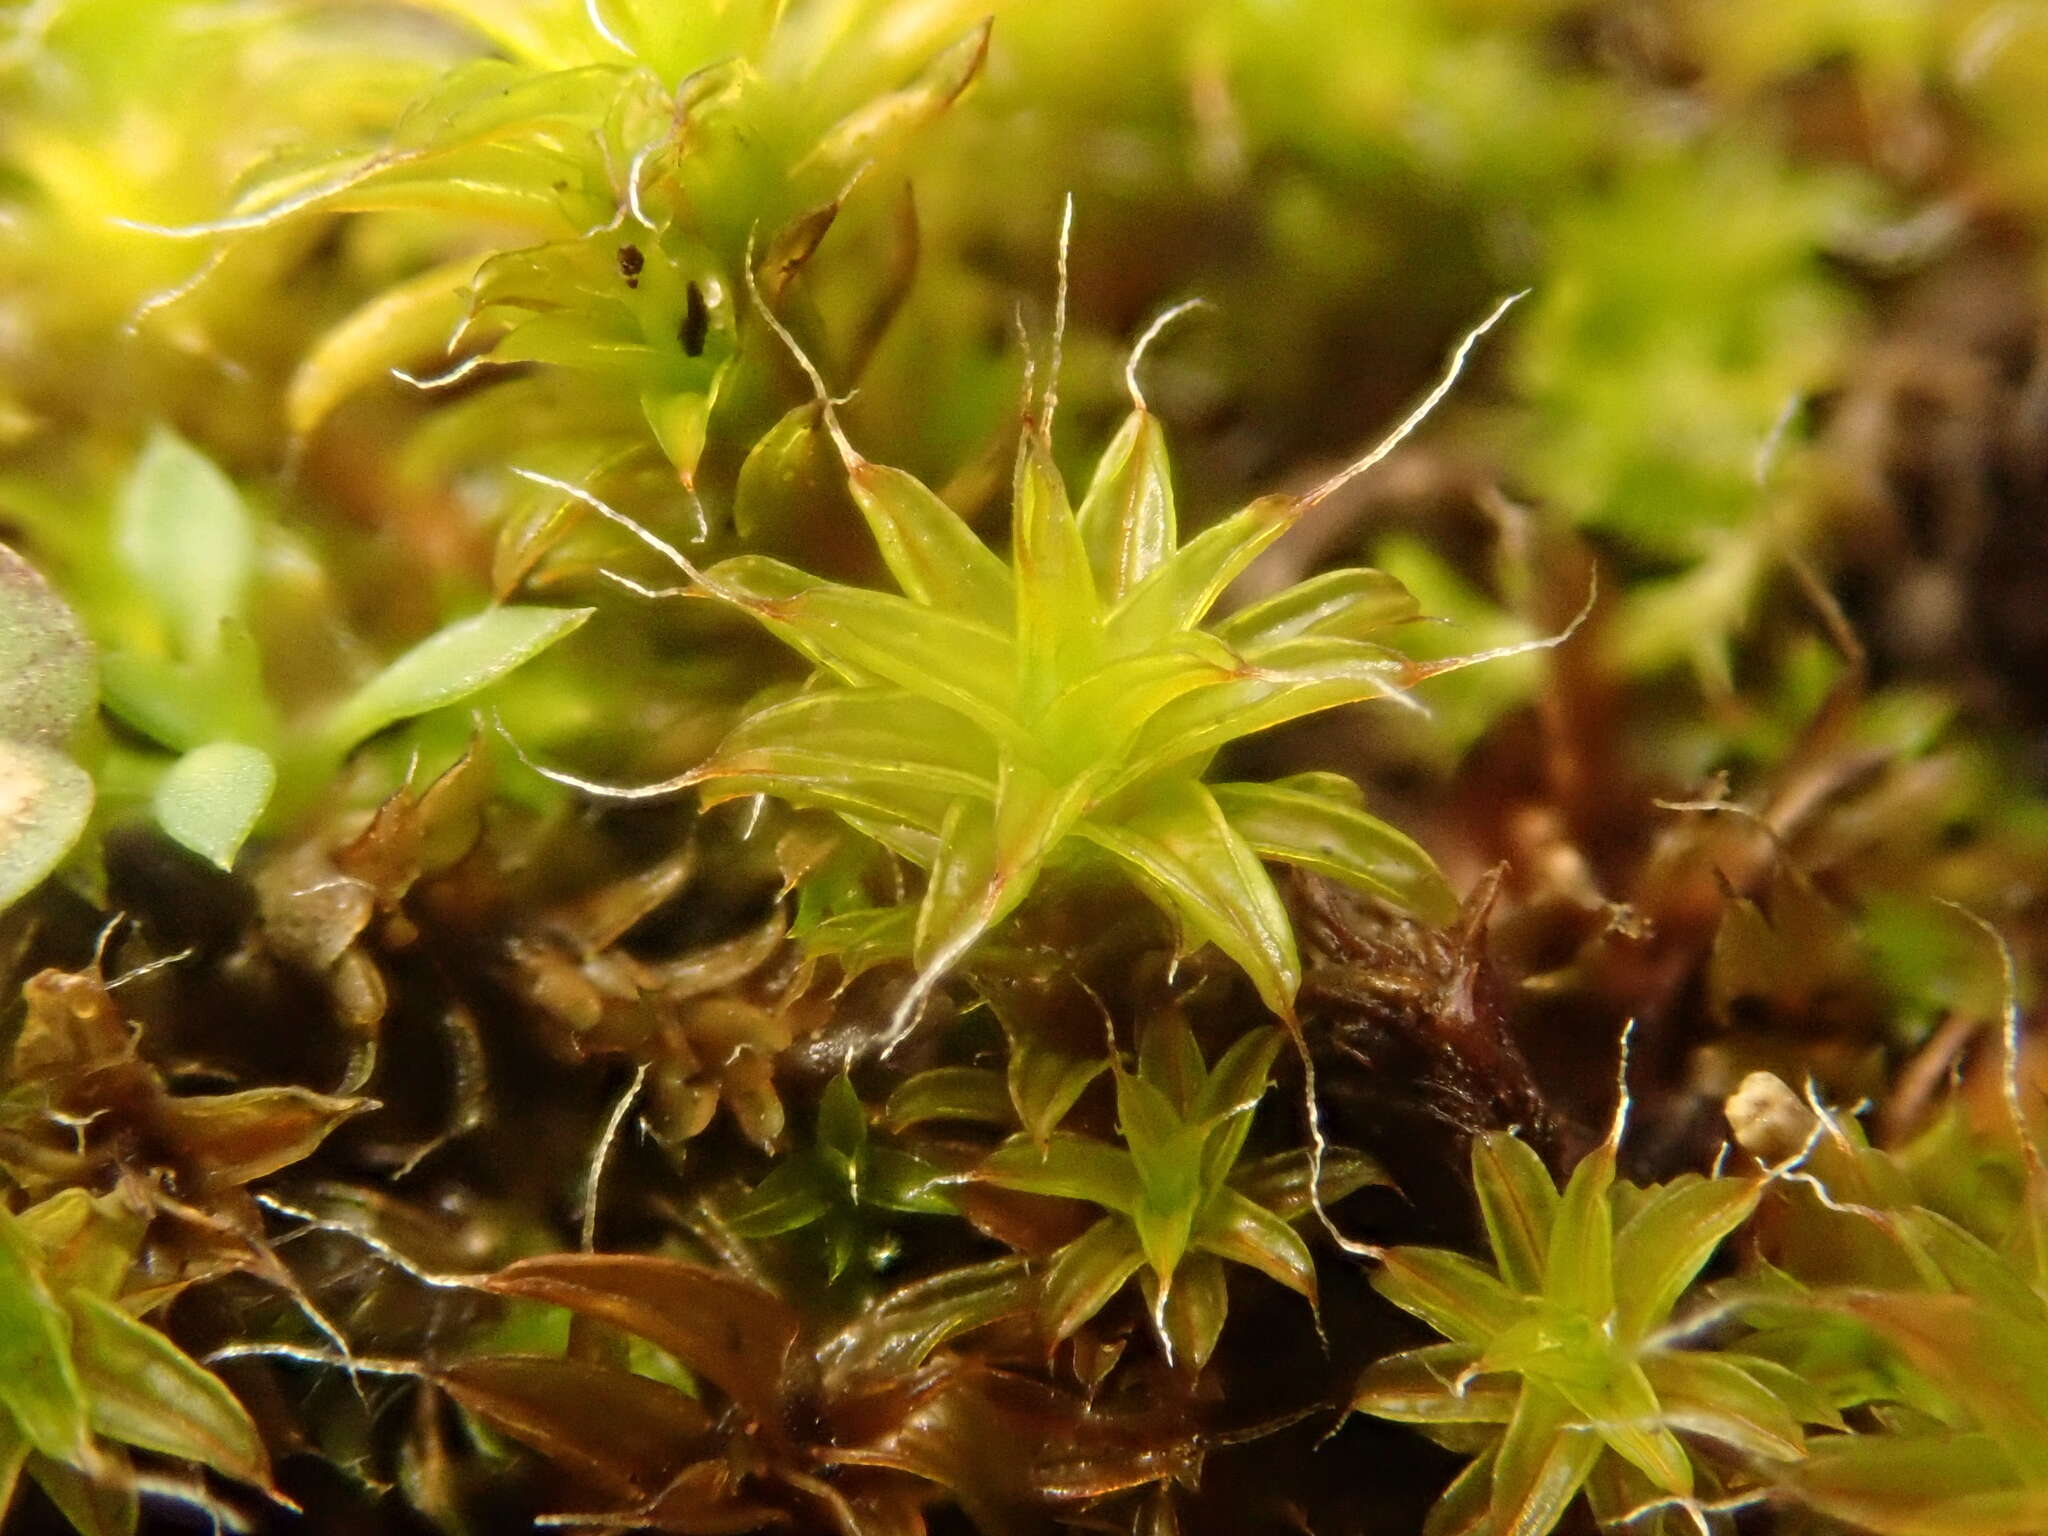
[994, 742]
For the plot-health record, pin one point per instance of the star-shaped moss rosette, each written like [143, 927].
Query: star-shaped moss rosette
[583, 185]
[1563, 1371]
[843, 1186]
[1179, 1201]
[994, 720]
[1911, 1283]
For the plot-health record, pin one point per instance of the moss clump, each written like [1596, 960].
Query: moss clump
[1052, 963]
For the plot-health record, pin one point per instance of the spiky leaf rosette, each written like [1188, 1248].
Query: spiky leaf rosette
[1179, 1201]
[1561, 1359]
[591, 184]
[992, 721]
[1934, 1308]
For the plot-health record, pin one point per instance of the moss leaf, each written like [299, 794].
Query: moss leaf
[187, 541]
[44, 802]
[39, 1383]
[145, 1391]
[46, 663]
[213, 796]
[446, 667]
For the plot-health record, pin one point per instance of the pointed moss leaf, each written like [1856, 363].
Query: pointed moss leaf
[1222, 1142]
[1518, 1202]
[144, 1391]
[873, 753]
[1296, 678]
[934, 556]
[844, 738]
[1806, 1399]
[407, 322]
[879, 126]
[1086, 1273]
[1434, 1385]
[1044, 1081]
[1982, 1358]
[1165, 1148]
[1578, 1267]
[1356, 603]
[1712, 1395]
[14, 1453]
[1127, 518]
[782, 481]
[1178, 843]
[729, 1331]
[1941, 1483]
[624, 1431]
[794, 1195]
[1164, 1231]
[186, 538]
[975, 1094]
[900, 1181]
[1450, 1292]
[864, 635]
[841, 1243]
[896, 1335]
[1623, 1410]
[1540, 1467]
[965, 894]
[1170, 1059]
[1068, 1167]
[989, 859]
[240, 1137]
[1095, 720]
[1233, 1228]
[842, 1120]
[1057, 607]
[1183, 588]
[679, 418]
[1970, 1264]
[1240, 1076]
[104, 1502]
[1195, 1309]
[1462, 1509]
[47, 676]
[39, 1383]
[450, 665]
[1333, 839]
[786, 252]
[1280, 1183]
[568, 339]
[211, 798]
[45, 800]
[481, 142]
[1663, 1246]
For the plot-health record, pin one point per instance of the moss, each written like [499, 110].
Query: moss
[993, 933]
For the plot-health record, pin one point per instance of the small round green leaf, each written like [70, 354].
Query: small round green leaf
[44, 801]
[46, 663]
[187, 541]
[213, 796]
